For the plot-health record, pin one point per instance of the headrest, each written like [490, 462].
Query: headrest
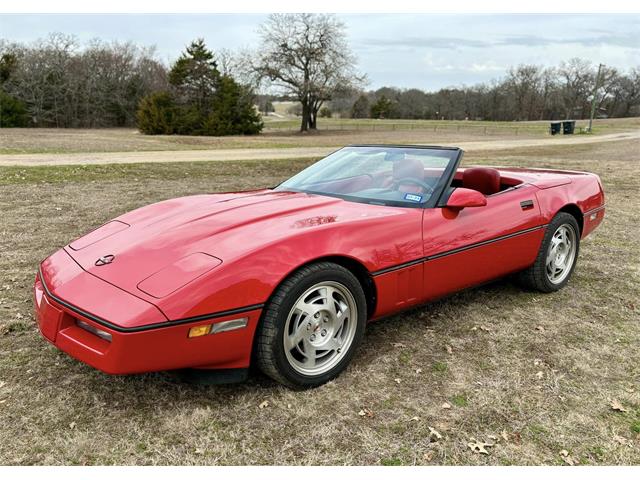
[408, 168]
[484, 180]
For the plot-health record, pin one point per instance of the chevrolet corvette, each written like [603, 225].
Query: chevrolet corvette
[287, 278]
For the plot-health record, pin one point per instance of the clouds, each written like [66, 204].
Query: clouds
[427, 51]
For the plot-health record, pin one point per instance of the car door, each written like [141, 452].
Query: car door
[477, 244]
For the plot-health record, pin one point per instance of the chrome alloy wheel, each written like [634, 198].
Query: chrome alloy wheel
[320, 328]
[561, 254]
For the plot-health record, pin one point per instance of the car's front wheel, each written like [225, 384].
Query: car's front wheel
[311, 326]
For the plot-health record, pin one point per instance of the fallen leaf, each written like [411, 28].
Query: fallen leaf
[365, 412]
[415, 419]
[434, 433]
[504, 435]
[485, 329]
[568, 459]
[622, 441]
[398, 345]
[449, 349]
[517, 439]
[540, 328]
[493, 437]
[199, 451]
[72, 425]
[418, 370]
[446, 406]
[474, 329]
[264, 404]
[2, 384]
[397, 380]
[479, 447]
[540, 374]
[617, 406]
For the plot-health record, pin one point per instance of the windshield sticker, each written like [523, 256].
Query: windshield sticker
[413, 197]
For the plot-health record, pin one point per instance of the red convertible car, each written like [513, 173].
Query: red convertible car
[287, 278]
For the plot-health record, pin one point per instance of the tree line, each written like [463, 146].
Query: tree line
[56, 82]
[527, 92]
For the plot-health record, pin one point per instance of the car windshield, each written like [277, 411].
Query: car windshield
[398, 176]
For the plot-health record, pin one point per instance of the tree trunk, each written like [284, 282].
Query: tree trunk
[313, 115]
[304, 126]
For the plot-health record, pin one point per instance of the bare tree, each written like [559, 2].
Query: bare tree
[577, 84]
[306, 55]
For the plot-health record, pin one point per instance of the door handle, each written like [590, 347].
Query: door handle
[526, 204]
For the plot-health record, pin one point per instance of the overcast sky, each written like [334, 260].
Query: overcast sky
[426, 51]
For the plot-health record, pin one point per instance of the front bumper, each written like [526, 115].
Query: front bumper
[137, 344]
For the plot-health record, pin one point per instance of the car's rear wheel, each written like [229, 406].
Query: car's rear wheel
[557, 256]
[311, 326]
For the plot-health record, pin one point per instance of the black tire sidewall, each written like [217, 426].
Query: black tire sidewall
[349, 281]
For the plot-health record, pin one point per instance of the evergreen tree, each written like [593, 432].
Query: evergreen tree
[233, 111]
[201, 101]
[195, 76]
[361, 108]
[382, 108]
[157, 114]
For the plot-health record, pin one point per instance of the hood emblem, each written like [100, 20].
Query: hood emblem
[105, 260]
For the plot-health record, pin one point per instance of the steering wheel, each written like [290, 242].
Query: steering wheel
[415, 181]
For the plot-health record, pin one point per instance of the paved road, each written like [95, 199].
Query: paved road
[276, 153]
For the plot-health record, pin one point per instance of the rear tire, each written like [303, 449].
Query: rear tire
[557, 256]
[311, 326]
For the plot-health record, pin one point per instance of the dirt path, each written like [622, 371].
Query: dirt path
[275, 153]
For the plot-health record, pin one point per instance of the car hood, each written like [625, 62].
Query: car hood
[192, 235]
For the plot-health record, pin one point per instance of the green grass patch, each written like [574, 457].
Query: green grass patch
[440, 367]
[460, 400]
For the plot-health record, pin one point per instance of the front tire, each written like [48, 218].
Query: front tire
[557, 256]
[311, 326]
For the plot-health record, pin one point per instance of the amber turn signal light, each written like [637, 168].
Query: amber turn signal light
[199, 331]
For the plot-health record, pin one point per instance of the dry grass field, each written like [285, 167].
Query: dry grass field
[540, 379]
[282, 134]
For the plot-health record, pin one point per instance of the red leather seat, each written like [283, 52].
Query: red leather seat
[408, 168]
[484, 180]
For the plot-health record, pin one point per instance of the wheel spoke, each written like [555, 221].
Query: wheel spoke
[333, 344]
[291, 341]
[309, 354]
[329, 300]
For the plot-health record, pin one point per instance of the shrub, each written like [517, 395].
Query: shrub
[325, 112]
[361, 108]
[157, 114]
[233, 112]
[13, 112]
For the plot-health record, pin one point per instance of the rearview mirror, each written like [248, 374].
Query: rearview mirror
[465, 197]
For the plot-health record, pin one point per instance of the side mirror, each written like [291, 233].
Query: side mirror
[465, 197]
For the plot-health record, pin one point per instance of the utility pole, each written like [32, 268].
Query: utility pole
[595, 94]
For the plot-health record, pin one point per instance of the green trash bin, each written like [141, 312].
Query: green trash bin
[555, 128]
[568, 127]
